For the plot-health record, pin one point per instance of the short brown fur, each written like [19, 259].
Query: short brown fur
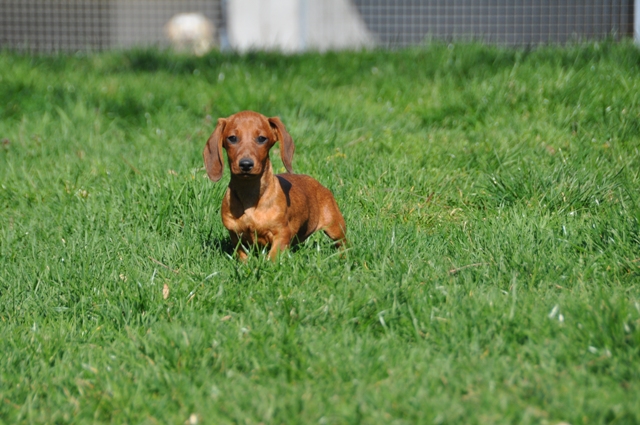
[260, 207]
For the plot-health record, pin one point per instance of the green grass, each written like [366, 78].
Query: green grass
[492, 205]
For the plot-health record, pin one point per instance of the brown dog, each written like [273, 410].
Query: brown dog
[260, 207]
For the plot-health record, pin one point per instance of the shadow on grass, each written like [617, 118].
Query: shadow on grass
[215, 245]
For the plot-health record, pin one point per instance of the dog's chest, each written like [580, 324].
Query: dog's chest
[252, 226]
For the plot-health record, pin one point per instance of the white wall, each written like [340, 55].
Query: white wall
[295, 25]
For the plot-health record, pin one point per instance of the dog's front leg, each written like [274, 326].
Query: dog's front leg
[279, 243]
[238, 249]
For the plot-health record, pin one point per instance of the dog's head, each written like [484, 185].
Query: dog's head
[247, 137]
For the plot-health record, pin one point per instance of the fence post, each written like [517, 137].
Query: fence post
[304, 23]
[636, 22]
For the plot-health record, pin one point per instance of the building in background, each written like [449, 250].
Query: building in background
[295, 25]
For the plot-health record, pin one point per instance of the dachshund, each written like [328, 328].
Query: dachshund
[260, 208]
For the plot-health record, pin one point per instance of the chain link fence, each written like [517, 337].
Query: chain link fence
[73, 25]
[506, 22]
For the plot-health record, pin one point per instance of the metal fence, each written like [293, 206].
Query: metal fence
[72, 25]
[515, 22]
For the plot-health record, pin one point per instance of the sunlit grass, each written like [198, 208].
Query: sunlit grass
[491, 198]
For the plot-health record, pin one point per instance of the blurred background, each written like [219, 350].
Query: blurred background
[298, 25]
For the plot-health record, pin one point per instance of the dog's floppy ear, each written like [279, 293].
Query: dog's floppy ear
[286, 142]
[213, 160]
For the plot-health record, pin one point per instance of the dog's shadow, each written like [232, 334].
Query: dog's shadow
[214, 244]
[222, 245]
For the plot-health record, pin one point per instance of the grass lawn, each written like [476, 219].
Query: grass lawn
[492, 205]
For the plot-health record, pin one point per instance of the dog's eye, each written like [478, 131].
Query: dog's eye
[232, 139]
[261, 139]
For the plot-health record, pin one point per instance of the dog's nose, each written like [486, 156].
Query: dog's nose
[246, 164]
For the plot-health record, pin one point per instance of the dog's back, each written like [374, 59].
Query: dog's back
[311, 207]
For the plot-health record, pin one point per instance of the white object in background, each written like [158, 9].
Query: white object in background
[295, 25]
[636, 22]
[264, 25]
[191, 32]
[334, 24]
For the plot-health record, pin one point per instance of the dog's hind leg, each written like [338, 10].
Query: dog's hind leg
[337, 230]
